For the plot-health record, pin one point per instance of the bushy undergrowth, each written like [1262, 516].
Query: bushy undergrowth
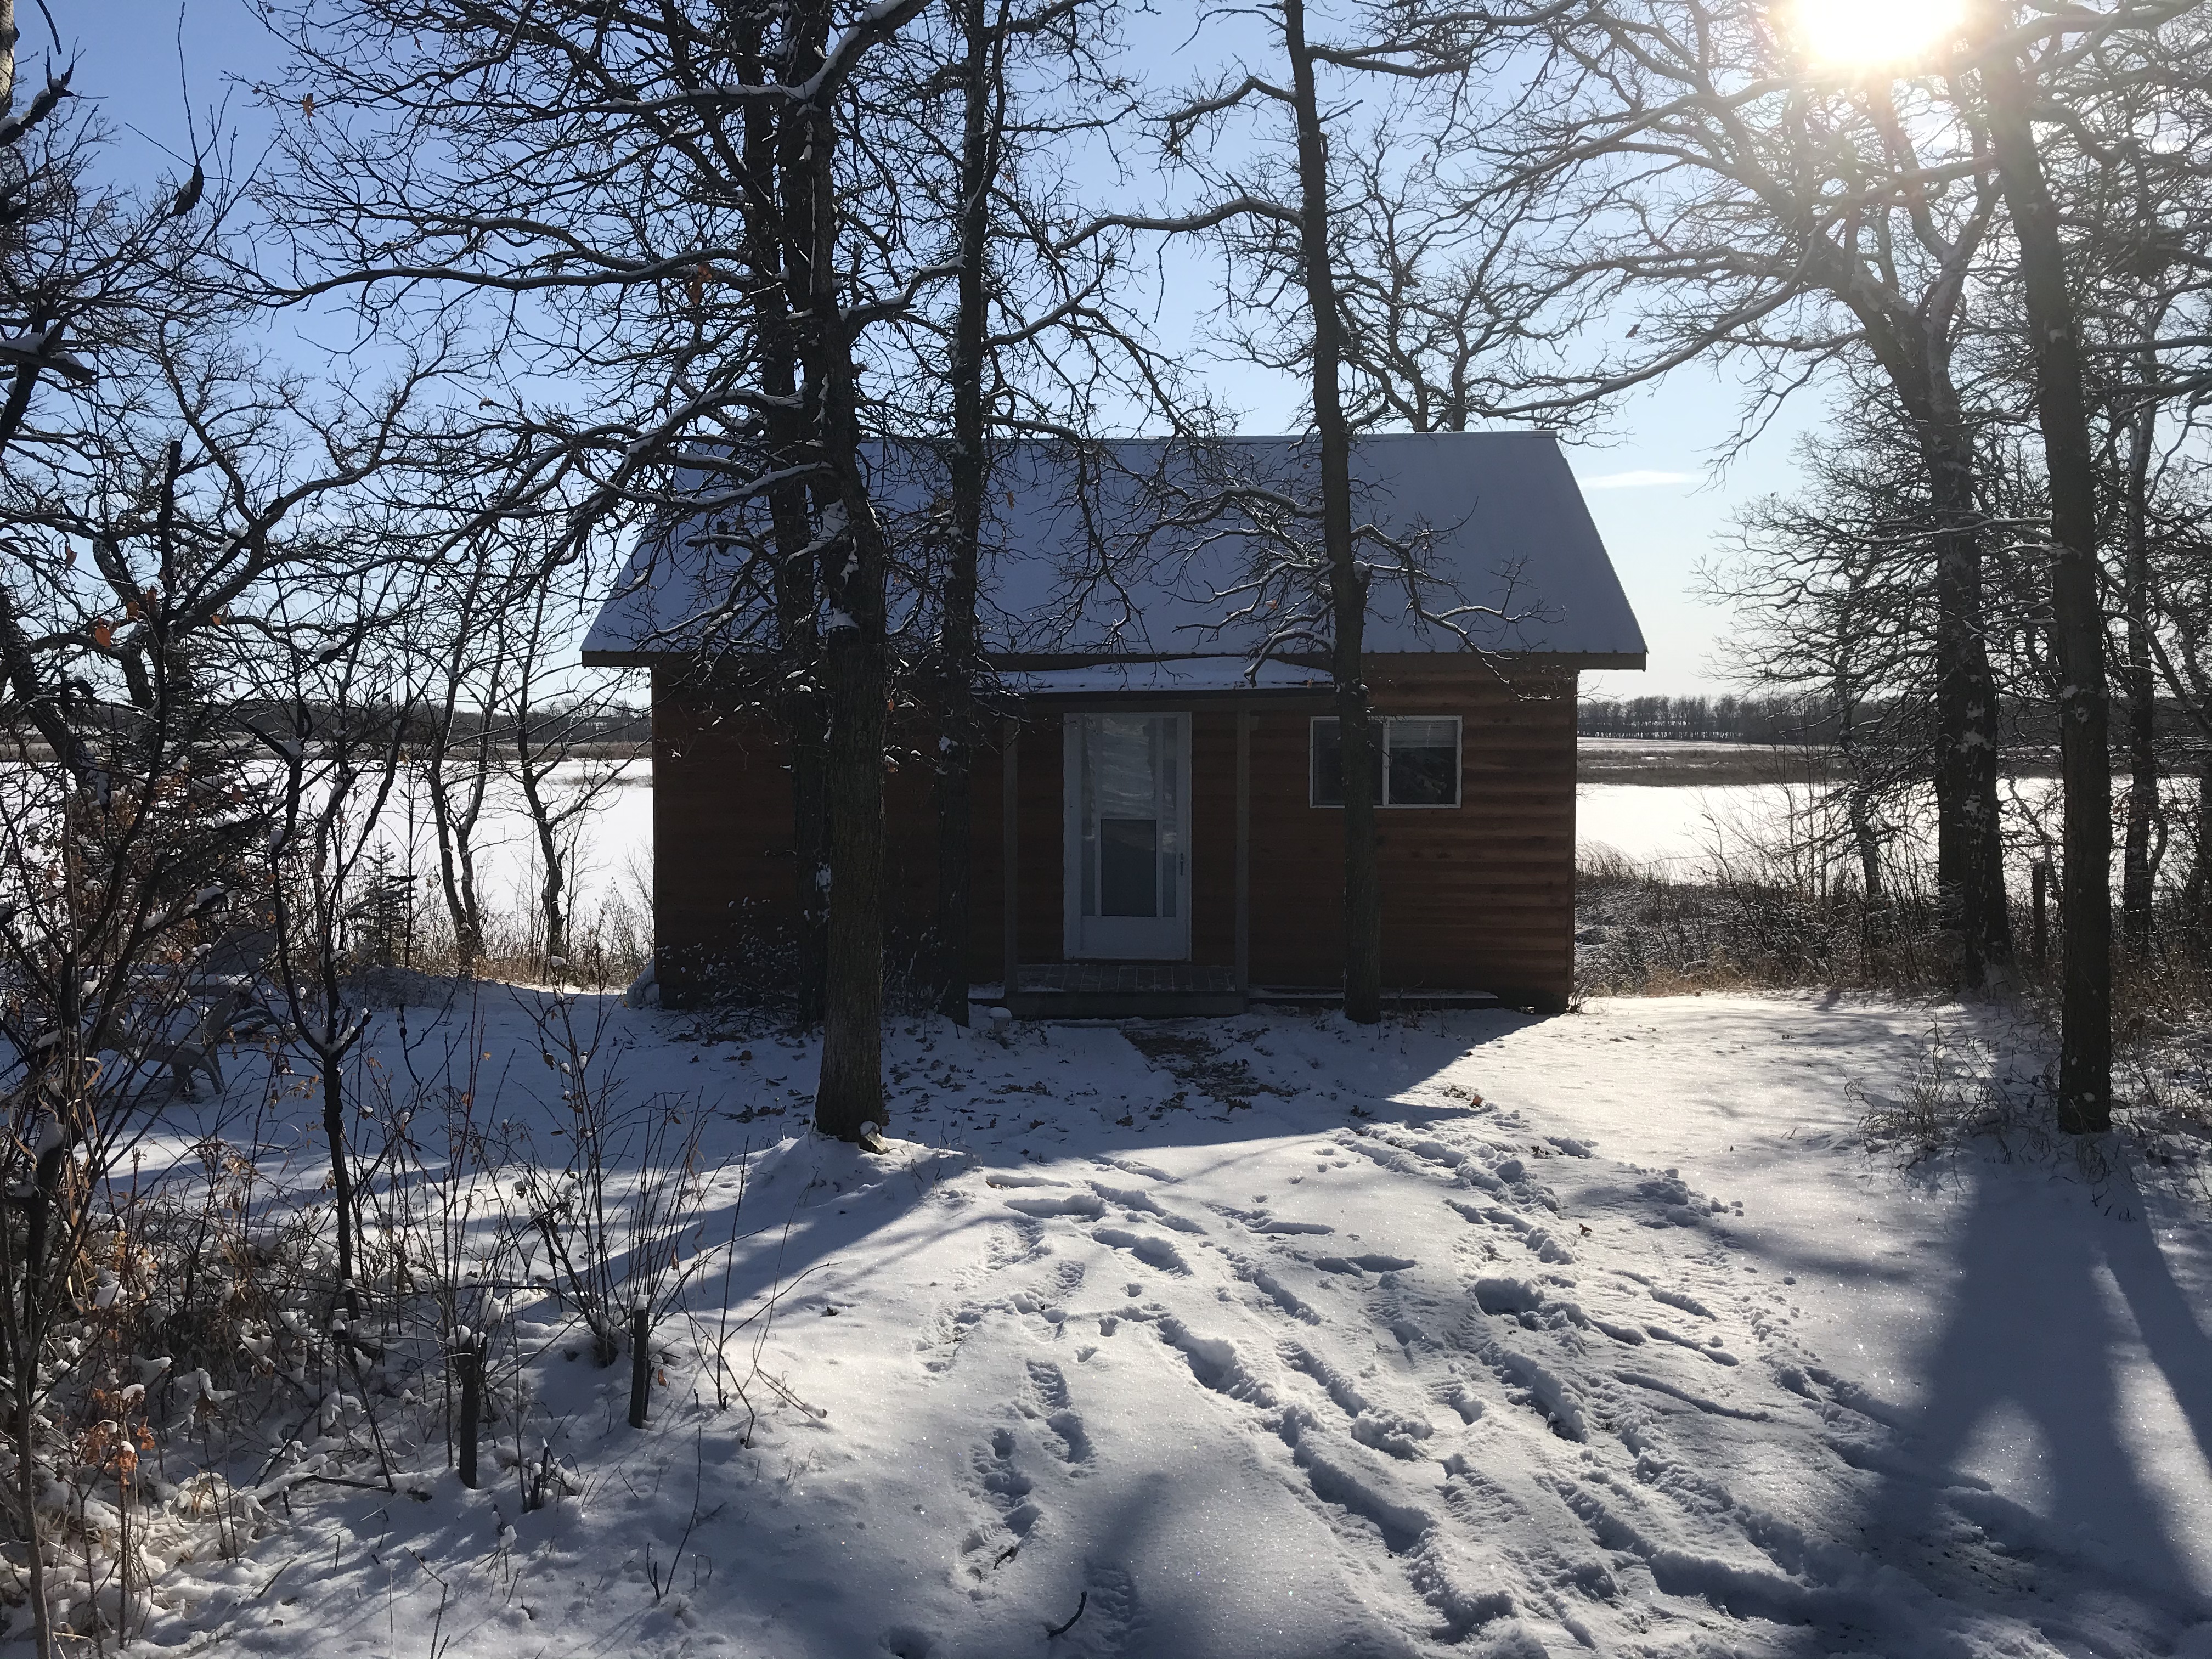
[207, 1361]
[1754, 919]
[402, 923]
[1751, 921]
[1981, 1079]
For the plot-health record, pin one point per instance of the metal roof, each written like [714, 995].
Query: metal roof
[1152, 548]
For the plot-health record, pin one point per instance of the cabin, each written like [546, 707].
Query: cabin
[1157, 823]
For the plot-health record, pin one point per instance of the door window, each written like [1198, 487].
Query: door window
[1128, 777]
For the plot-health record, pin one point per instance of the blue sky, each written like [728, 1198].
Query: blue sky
[1652, 485]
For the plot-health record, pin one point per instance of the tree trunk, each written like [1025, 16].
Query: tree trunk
[2135, 871]
[2085, 1063]
[1347, 583]
[1913, 347]
[25, 1333]
[552, 891]
[971, 468]
[453, 884]
[851, 1092]
[456, 825]
[853, 563]
[334, 1130]
[797, 703]
[471, 1358]
[641, 1367]
[26, 1425]
[1969, 849]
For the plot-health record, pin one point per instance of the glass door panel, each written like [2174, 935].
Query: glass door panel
[1127, 787]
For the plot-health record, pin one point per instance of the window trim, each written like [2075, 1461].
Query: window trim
[1386, 804]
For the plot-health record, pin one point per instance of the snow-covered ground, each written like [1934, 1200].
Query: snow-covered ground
[1470, 1334]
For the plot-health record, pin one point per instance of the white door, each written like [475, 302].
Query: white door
[1127, 804]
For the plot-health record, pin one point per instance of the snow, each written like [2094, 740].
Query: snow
[1470, 1333]
[1692, 831]
[1683, 830]
[1499, 521]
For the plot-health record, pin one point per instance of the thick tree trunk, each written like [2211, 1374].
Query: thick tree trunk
[1969, 850]
[851, 1092]
[2136, 872]
[853, 562]
[2085, 1063]
[957, 644]
[797, 701]
[1347, 583]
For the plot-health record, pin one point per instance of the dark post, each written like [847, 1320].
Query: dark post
[1010, 821]
[1243, 851]
[640, 1365]
[471, 1358]
[2042, 923]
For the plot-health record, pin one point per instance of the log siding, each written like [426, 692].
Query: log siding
[1479, 896]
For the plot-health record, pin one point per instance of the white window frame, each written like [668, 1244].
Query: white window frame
[1386, 721]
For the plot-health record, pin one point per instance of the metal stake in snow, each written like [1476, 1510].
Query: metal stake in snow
[641, 1364]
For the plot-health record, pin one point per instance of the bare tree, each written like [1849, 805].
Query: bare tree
[1276, 206]
[549, 716]
[741, 199]
[331, 714]
[1830, 590]
[1680, 165]
[152, 513]
[2029, 59]
[458, 752]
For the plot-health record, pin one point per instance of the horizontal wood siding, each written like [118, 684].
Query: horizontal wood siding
[723, 885]
[1479, 896]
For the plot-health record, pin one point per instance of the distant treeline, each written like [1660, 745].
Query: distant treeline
[1779, 719]
[577, 726]
[1812, 721]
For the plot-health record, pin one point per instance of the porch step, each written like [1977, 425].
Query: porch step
[1143, 990]
[1292, 996]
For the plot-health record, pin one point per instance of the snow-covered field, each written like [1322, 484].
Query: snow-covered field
[1470, 1334]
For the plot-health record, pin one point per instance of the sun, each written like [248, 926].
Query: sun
[1872, 34]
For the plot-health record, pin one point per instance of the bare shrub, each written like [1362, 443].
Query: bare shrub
[1751, 919]
[1948, 1094]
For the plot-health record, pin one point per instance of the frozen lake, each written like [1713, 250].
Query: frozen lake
[1684, 830]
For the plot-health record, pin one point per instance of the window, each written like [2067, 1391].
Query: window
[1420, 762]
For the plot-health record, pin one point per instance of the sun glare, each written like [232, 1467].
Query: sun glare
[1868, 33]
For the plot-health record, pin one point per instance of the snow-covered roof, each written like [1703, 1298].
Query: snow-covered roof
[1150, 549]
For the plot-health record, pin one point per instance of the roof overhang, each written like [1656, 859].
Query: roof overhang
[1408, 662]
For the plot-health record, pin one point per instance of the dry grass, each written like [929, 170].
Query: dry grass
[1753, 922]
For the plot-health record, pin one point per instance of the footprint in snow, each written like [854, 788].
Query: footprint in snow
[1106, 1613]
[1148, 1248]
[1372, 1262]
[1001, 1486]
[1144, 1203]
[1048, 1387]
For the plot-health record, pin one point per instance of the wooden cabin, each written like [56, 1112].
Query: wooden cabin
[1158, 829]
